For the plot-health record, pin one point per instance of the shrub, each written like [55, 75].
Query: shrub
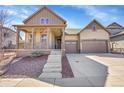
[37, 53]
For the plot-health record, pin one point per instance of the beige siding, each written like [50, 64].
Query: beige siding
[36, 19]
[71, 37]
[99, 34]
[89, 34]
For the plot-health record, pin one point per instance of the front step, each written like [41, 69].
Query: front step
[54, 58]
[52, 66]
[52, 70]
[55, 52]
[50, 75]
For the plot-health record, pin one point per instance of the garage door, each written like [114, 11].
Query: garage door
[94, 46]
[71, 46]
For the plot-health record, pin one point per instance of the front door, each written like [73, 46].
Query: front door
[58, 44]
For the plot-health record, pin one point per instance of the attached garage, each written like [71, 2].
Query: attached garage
[94, 46]
[71, 46]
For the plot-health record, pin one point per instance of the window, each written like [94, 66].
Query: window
[43, 38]
[94, 27]
[6, 34]
[44, 21]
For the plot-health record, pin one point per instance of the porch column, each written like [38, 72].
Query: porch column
[17, 39]
[32, 38]
[25, 40]
[63, 42]
[48, 38]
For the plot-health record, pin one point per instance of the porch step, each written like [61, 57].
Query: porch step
[52, 64]
[54, 57]
[50, 75]
[55, 52]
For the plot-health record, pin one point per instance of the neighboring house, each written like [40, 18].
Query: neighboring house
[46, 30]
[115, 28]
[117, 41]
[117, 35]
[9, 38]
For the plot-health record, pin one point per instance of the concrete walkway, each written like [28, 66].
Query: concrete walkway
[53, 67]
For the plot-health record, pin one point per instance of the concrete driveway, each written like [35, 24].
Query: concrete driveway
[98, 69]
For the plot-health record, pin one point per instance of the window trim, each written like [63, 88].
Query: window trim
[94, 28]
[44, 21]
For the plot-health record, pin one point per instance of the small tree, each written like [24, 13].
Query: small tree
[5, 19]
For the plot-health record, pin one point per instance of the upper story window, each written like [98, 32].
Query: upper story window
[44, 20]
[94, 27]
[47, 21]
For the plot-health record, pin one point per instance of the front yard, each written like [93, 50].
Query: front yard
[26, 67]
[32, 67]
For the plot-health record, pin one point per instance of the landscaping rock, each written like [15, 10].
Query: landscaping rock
[4, 65]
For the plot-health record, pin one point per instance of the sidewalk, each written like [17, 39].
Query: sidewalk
[30, 82]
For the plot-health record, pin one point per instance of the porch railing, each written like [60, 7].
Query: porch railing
[118, 50]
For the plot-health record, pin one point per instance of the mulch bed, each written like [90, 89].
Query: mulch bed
[66, 69]
[26, 67]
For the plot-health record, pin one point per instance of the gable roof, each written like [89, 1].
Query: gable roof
[45, 7]
[114, 28]
[115, 25]
[72, 31]
[96, 23]
[121, 33]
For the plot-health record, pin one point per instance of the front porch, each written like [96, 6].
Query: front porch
[41, 37]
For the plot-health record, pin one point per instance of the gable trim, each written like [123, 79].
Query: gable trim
[41, 10]
[98, 24]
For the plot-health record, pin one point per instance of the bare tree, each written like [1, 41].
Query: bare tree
[5, 19]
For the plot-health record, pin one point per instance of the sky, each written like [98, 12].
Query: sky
[77, 16]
